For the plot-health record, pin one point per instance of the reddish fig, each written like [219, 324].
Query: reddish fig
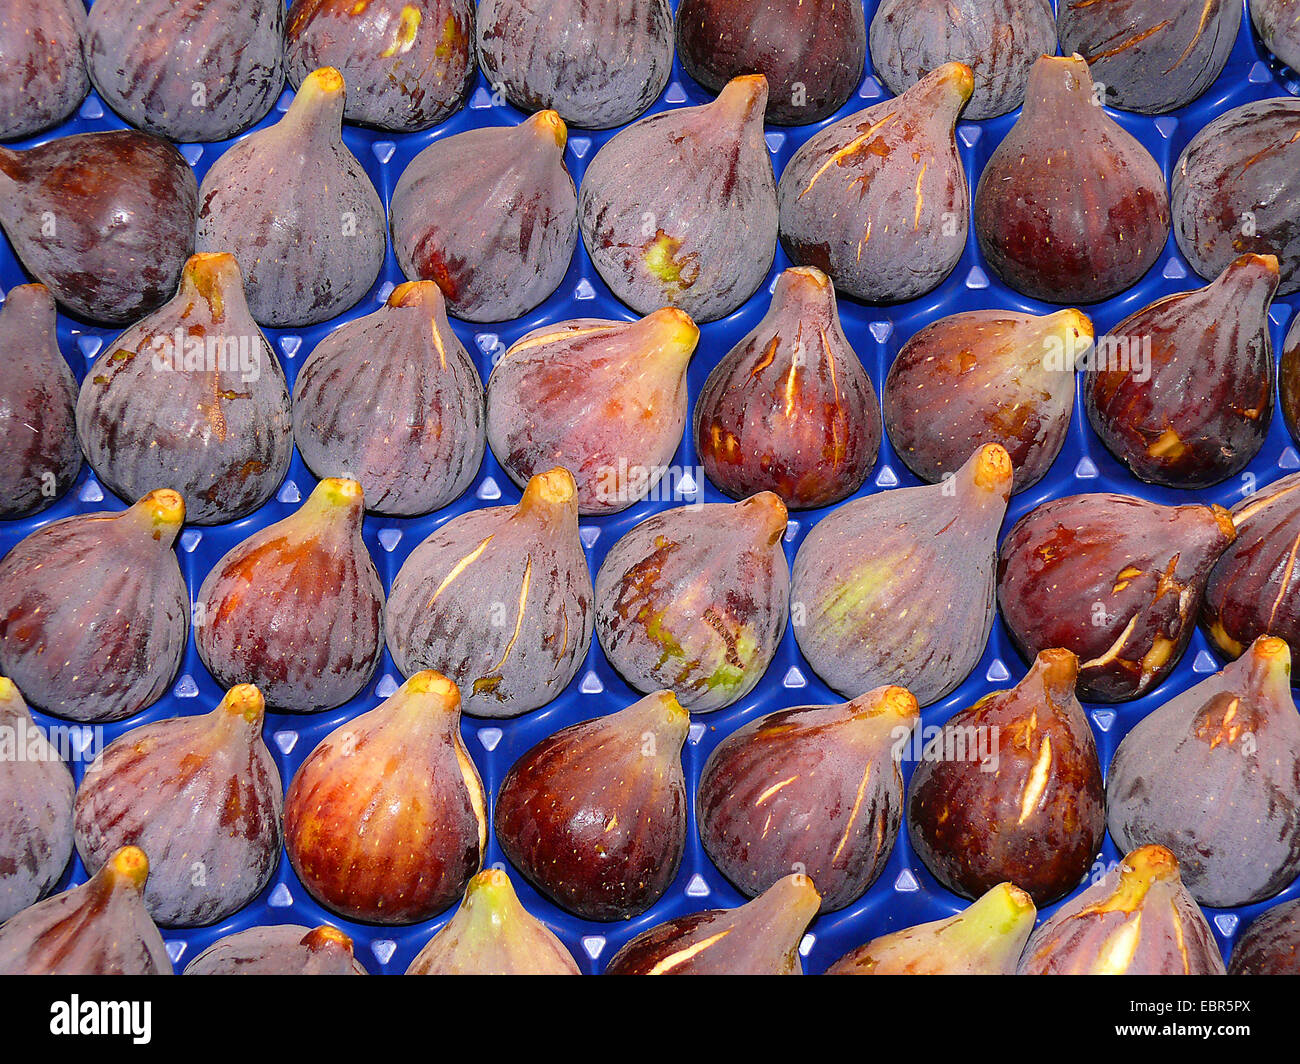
[1271, 944]
[1289, 380]
[285, 949]
[1279, 29]
[42, 70]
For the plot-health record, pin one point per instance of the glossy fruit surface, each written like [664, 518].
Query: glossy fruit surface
[285, 949]
[1271, 944]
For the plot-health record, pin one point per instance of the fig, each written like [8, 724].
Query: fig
[492, 934]
[297, 210]
[694, 600]
[200, 793]
[1030, 810]
[815, 788]
[104, 220]
[499, 598]
[594, 816]
[44, 70]
[297, 608]
[879, 200]
[679, 209]
[409, 64]
[810, 51]
[898, 587]
[768, 931]
[1070, 208]
[1236, 190]
[605, 399]
[393, 401]
[1138, 919]
[98, 928]
[986, 375]
[986, 938]
[998, 39]
[36, 792]
[1271, 944]
[39, 454]
[597, 63]
[191, 396]
[790, 409]
[94, 612]
[385, 821]
[1289, 380]
[1115, 579]
[187, 70]
[1147, 410]
[286, 949]
[1279, 29]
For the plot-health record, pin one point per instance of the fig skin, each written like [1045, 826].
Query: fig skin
[219, 436]
[811, 51]
[98, 928]
[1168, 430]
[1035, 812]
[1070, 207]
[1271, 944]
[604, 399]
[1276, 24]
[393, 401]
[94, 612]
[385, 821]
[694, 599]
[845, 192]
[285, 949]
[594, 816]
[815, 788]
[1137, 920]
[998, 39]
[790, 409]
[986, 375]
[1289, 380]
[897, 587]
[597, 63]
[203, 795]
[44, 69]
[679, 209]
[39, 454]
[1116, 580]
[409, 64]
[104, 220]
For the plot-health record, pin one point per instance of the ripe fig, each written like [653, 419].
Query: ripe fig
[44, 71]
[1289, 379]
[986, 938]
[1071, 208]
[1011, 790]
[409, 64]
[452, 601]
[986, 375]
[1137, 920]
[285, 949]
[393, 401]
[191, 396]
[39, 454]
[1271, 944]
[104, 220]
[694, 600]
[815, 788]
[94, 612]
[187, 70]
[679, 209]
[898, 587]
[810, 51]
[98, 928]
[768, 931]
[1279, 29]
[879, 200]
[200, 793]
[790, 409]
[385, 821]
[297, 608]
[597, 63]
[594, 816]
[492, 934]
[297, 210]
[1195, 407]
[1116, 580]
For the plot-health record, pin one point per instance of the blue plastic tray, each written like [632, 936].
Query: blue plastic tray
[905, 893]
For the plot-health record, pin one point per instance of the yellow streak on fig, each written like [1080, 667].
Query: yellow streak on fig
[1124, 578]
[519, 618]
[1113, 651]
[1210, 5]
[920, 196]
[459, 568]
[1037, 781]
[208, 273]
[851, 148]
[1141, 869]
[1162, 649]
[543, 337]
[775, 788]
[1225, 642]
[673, 960]
[1169, 445]
[1178, 935]
[853, 814]
[1117, 951]
[408, 25]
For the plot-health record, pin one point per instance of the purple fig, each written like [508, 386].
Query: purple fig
[694, 600]
[1289, 380]
[898, 587]
[679, 209]
[499, 598]
[44, 72]
[790, 409]
[605, 399]
[285, 949]
[1279, 29]
[1271, 944]
[393, 401]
